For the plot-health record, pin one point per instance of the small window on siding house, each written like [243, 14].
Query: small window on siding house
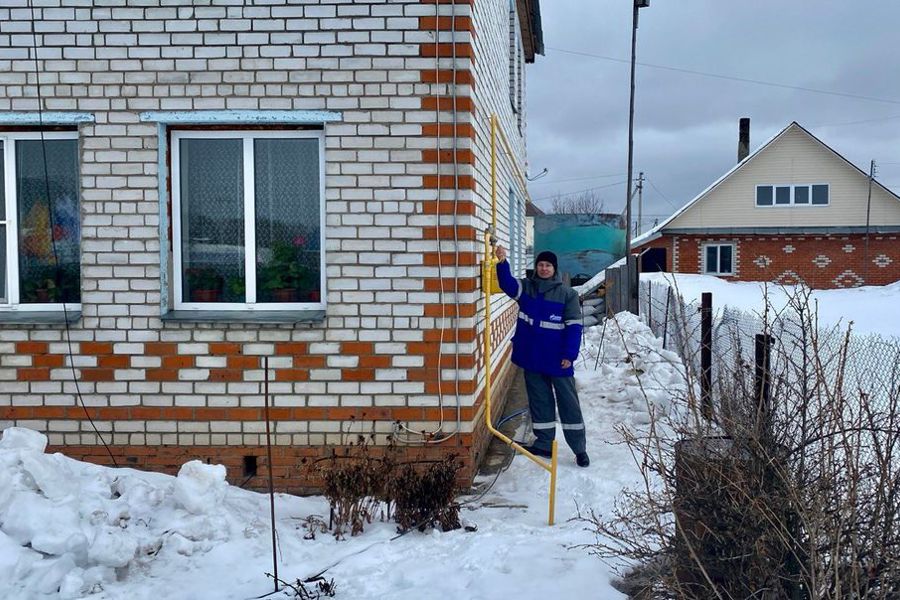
[792, 195]
[820, 195]
[247, 219]
[783, 194]
[718, 259]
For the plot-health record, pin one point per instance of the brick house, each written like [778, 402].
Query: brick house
[303, 183]
[792, 211]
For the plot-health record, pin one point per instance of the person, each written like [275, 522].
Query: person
[545, 346]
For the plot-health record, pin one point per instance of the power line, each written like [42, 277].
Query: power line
[729, 77]
[860, 122]
[664, 197]
[578, 179]
[591, 189]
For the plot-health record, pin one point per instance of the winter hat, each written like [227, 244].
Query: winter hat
[549, 257]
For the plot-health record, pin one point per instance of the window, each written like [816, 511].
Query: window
[515, 64]
[718, 259]
[40, 221]
[820, 194]
[248, 219]
[792, 195]
[516, 230]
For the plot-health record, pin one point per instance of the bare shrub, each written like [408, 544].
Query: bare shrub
[426, 498]
[789, 494]
[355, 485]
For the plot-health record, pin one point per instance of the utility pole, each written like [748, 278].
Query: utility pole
[639, 226]
[632, 282]
[868, 213]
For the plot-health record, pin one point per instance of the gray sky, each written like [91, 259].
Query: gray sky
[686, 125]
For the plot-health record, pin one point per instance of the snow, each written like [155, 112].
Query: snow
[865, 306]
[70, 529]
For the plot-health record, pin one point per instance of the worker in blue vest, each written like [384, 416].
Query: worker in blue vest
[546, 343]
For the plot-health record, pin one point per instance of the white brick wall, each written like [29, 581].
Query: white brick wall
[118, 58]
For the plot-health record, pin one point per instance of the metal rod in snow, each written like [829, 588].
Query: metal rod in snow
[706, 402]
[868, 214]
[666, 317]
[762, 379]
[269, 456]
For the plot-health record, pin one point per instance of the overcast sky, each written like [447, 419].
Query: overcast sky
[686, 125]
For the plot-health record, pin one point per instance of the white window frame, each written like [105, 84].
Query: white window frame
[12, 304]
[516, 229]
[706, 269]
[792, 186]
[247, 136]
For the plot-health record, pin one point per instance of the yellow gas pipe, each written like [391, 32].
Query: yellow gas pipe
[489, 284]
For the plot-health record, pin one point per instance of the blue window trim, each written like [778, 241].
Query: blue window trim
[34, 118]
[208, 117]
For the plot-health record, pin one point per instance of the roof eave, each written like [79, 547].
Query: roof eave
[529, 12]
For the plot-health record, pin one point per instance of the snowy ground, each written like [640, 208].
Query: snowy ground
[74, 530]
[871, 308]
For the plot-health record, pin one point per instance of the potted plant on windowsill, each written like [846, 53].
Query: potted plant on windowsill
[205, 284]
[42, 291]
[283, 278]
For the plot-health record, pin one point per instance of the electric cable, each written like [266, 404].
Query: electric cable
[57, 272]
[578, 179]
[729, 77]
[510, 456]
[590, 189]
[426, 436]
[663, 196]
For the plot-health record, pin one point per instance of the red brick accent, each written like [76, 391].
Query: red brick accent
[178, 362]
[358, 348]
[161, 348]
[447, 130]
[463, 156]
[291, 348]
[460, 103]
[448, 259]
[448, 232]
[225, 348]
[204, 413]
[463, 76]
[98, 374]
[243, 362]
[48, 360]
[96, 348]
[295, 469]
[449, 310]
[449, 182]
[461, 23]
[31, 347]
[115, 361]
[451, 285]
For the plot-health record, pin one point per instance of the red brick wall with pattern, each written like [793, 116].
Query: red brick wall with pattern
[819, 261]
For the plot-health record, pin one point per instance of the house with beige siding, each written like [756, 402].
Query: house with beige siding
[793, 211]
[211, 207]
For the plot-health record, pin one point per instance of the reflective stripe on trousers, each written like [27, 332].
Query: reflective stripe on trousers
[545, 394]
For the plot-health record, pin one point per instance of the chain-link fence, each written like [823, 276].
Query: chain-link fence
[864, 364]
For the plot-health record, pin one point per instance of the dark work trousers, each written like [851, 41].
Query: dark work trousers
[541, 390]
